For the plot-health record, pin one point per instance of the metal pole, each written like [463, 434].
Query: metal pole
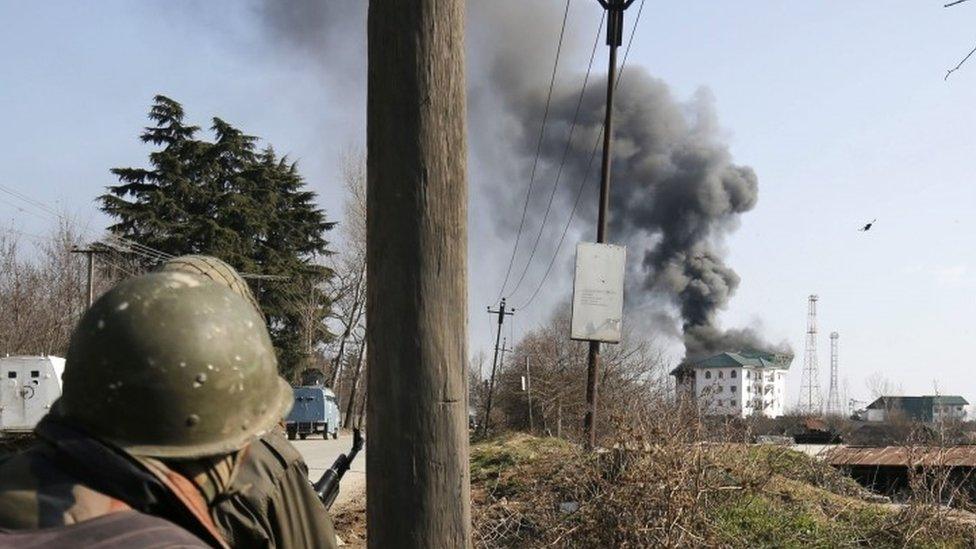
[528, 394]
[91, 277]
[615, 16]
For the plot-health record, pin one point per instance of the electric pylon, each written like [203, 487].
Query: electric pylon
[811, 400]
[834, 407]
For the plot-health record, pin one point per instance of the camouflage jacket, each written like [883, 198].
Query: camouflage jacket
[272, 503]
[68, 478]
[119, 530]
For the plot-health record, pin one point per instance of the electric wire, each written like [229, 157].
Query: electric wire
[538, 151]
[110, 240]
[579, 190]
[565, 155]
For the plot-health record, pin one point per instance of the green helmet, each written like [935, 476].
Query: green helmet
[214, 269]
[170, 365]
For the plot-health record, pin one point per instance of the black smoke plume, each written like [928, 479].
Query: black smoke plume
[676, 192]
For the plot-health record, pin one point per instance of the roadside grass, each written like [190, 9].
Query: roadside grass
[535, 492]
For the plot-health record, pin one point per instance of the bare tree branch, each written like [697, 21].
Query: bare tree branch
[950, 4]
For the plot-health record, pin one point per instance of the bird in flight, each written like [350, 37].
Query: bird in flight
[868, 226]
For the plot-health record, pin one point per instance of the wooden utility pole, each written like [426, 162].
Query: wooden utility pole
[615, 24]
[417, 468]
[90, 254]
[501, 312]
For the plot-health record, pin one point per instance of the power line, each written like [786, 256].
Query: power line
[111, 240]
[538, 151]
[52, 214]
[562, 161]
[589, 165]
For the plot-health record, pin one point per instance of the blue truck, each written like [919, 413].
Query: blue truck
[315, 411]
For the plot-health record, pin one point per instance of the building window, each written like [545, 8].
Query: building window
[35, 373]
[733, 388]
[733, 374]
[708, 375]
[721, 374]
[12, 375]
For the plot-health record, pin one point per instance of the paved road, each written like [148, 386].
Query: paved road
[319, 454]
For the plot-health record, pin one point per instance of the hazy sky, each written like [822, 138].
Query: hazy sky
[839, 107]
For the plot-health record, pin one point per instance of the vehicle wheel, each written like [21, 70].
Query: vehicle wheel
[302, 436]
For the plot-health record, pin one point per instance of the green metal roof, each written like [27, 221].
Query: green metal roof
[909, 403]
[746, 359]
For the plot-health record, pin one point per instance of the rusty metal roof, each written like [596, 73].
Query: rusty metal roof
[952, 456]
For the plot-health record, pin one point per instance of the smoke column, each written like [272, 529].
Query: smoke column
[676, 192]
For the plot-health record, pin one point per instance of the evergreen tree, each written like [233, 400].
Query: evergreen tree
[245, 205]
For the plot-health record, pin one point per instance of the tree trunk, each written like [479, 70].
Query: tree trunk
[350, 404]
[355, 314]
[417, 487]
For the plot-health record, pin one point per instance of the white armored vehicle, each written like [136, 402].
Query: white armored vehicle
[29, 385]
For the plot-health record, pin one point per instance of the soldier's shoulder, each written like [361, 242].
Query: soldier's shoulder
[36, 491]
[275, 445]
[115, 530]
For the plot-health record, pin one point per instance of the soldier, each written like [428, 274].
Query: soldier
[271, 503]
[169, 379]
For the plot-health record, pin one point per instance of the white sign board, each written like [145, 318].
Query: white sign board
[598, 292]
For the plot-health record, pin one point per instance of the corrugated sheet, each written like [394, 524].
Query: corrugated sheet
[954, 456]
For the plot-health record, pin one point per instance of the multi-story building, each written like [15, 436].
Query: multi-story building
[740, 384]
[927, 409]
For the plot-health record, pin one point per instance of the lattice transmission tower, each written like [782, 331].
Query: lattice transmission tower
[811, 400]
[834, 406]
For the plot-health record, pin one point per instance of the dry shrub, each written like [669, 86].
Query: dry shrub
[656, 484]
[652, 487]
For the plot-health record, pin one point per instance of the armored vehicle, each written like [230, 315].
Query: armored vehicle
[28, 387]
[316, 411]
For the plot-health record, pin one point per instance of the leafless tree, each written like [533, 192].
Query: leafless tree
[43, 288]
[633, 370]
[349, 282]
[878, 385]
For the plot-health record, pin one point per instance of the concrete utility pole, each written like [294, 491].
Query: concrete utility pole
[501, 312]
[90, 253]
[417, 468]
[615, 24]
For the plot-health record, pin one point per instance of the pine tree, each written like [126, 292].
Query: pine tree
[245, 205]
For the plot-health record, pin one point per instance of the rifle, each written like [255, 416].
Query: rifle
[327, 487]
